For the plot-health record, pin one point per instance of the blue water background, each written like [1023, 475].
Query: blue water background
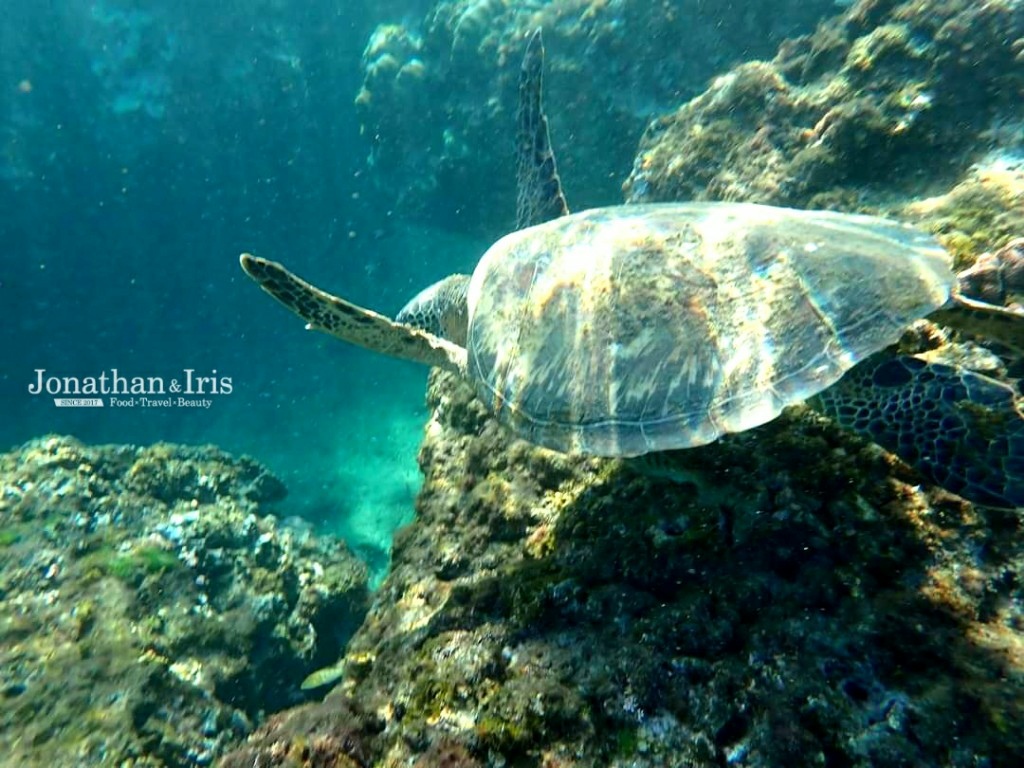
[143, 146]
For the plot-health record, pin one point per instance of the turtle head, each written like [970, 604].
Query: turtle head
[440, 309]
[988, 298]
[995, 278]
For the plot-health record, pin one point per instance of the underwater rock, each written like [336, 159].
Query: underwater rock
[437, 101]
[886, 103]
[311, 736]
[796, 596]
[798, 600]
[152, 610]
[982, 212]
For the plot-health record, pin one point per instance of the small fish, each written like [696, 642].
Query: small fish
[324, 676]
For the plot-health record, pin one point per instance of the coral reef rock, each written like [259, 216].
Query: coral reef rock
[438, 97]
[792, 598]
[888, 102]
[151, 609]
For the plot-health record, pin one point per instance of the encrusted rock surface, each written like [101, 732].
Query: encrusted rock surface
[891, 102]
[151, 611]
[796, 600]
[438, 97]
[799, 598]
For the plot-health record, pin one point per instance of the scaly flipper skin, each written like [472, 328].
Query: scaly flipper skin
[351, 323]
[539, 190]
[961, 430]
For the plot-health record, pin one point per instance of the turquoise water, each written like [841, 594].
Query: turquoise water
[141, 149]
[339, 425]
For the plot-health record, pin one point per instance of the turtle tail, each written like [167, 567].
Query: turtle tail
[960, 429]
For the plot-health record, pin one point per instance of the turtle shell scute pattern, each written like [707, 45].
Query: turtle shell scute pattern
[625, 330]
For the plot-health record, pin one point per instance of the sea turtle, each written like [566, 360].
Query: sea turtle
[631, 329]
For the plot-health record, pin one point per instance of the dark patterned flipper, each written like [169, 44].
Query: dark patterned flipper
[539, 195]
[349, 322]
[960, 429]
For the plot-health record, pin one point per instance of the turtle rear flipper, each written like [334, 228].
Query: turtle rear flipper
[960, 429]
[539, 196]
[349, 322]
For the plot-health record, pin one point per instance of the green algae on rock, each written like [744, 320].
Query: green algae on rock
[981, 213]
[892, 99]
[152, 609]
[799, 601]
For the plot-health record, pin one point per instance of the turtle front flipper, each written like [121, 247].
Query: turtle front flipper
[539, 196]
[960, 429]
[349, 322]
